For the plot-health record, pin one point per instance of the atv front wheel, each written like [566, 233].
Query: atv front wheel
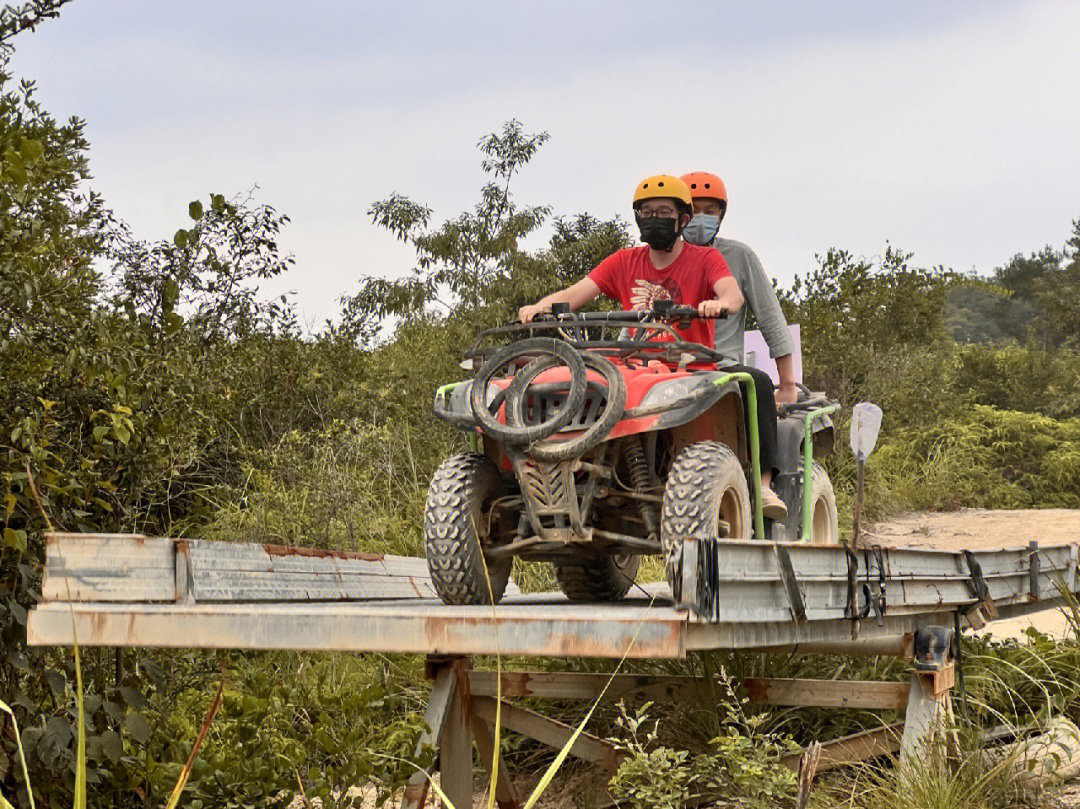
[824, 522]
[456, 520]
[602, 578]
[706, 496]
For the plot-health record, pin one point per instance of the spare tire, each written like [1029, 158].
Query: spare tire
[520, 434]
[824, 518]
[552, 451]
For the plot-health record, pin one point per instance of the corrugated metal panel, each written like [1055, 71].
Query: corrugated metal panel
[108, 567]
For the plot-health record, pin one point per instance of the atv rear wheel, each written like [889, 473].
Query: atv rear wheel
[603, 578]
[706, 490]
[824, 520]
[455, 526]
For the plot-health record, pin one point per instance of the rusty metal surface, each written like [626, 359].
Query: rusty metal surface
[142, 591]
[745, 584]
[530, 627]
[320, 553]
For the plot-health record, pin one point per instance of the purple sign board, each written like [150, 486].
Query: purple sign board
[756, 353]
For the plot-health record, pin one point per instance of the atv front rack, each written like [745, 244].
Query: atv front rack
[654, 336]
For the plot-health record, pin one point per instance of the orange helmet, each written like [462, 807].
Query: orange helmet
[705, 186]
[663, 186]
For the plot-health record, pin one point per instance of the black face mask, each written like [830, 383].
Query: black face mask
[659, 232]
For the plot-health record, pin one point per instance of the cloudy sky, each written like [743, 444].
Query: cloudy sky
[948, 129]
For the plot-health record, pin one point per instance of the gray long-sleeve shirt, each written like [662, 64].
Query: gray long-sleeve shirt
[760, 297]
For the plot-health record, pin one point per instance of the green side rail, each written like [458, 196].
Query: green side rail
[755, 444]
[808, 468]
[445, 391]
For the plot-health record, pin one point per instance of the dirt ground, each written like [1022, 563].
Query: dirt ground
[976, 529]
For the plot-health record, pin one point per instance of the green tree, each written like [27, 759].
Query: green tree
[458, 260]
[207, 276]
[14, 19]
[581, 242]
[1056, 295]
[1022, 273]
[854, 311]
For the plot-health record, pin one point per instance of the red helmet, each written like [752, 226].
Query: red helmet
[705, 186]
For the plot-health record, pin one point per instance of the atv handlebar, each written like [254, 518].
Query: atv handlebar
[662, 310]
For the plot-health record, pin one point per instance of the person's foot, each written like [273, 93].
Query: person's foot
[772, 507]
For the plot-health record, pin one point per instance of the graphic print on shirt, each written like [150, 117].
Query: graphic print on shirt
[645, 293]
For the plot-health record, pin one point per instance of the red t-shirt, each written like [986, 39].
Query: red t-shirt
[629, 277]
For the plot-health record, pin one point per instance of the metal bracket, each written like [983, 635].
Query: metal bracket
[874, 592]
[791, 584]
[933, 648]
[706, 599]
[851, 602]
[985, 610]
[549, 492]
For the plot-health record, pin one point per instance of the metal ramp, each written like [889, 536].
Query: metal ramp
[123, 590]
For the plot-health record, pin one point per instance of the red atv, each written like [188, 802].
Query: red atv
[599, 437]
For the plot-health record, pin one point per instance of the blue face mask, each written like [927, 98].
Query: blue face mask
[702, 229]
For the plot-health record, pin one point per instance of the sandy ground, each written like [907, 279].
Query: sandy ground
[979, 529]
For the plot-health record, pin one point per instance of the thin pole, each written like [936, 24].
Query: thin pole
[859, 466]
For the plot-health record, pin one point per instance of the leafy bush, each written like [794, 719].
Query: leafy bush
[986, 458]
[742, 762]
[316, 723]
[352, 486]
[854, 312]
[1019, 377]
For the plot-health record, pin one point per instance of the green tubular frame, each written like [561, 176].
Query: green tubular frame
[445, 390]
[808, 468]
[755, 444]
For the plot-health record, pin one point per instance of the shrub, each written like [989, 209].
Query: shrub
[987, 458]
[742, 763]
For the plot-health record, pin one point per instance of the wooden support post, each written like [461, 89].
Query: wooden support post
[929, 713]
[455, 744]
[837, 753]
[505, 796]
[444, 699]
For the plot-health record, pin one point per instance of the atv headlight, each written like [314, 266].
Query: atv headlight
[676, 389]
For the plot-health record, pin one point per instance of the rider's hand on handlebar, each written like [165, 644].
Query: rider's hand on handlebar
[787, 393]
[527, 313]
[711, 308]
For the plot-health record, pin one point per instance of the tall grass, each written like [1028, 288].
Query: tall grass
[4, 804]
[935, 781]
